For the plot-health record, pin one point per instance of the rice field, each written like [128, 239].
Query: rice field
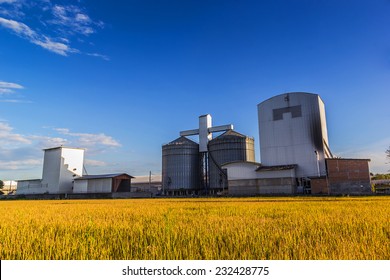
[292, 228]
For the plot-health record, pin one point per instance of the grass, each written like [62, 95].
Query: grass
[354, 228]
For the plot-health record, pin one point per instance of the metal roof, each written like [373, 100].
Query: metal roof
[231, 132]
[292, 93]
[60, 147]
[276, 167]
[241, 161]
[182, 140]
[24, 180]
[357, 159]
[102, 176]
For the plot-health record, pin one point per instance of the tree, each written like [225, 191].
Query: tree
[388, 153]
[1, 184]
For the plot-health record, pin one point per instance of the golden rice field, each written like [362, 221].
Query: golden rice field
[200, 228]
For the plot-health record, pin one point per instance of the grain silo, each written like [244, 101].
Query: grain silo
[292, 129]
[180, 167]
[231, 146]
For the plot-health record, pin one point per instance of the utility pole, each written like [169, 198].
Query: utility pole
[150, 180]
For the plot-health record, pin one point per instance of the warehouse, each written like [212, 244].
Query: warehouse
[105, 183]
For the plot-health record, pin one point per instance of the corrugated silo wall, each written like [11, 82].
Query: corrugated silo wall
[225, 149]
[180, 166]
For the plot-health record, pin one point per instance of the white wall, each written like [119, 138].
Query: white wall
[100, 185]
[31, 187]
[51, 169]
[80, 186]
[72, 167]
[59, 167]
[241, 170]
[293, 139]
[103, 185]
[247, 170]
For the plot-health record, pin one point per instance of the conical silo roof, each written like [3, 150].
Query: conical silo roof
[182, 140]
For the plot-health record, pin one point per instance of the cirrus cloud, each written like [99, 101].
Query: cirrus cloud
[7, 88]
[24, 31]
[52, 27]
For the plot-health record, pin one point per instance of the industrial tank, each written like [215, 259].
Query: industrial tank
[180, 166]
[229, 147]
[292, 128]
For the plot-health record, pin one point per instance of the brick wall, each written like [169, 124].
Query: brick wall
[319, 186]
[348, 176]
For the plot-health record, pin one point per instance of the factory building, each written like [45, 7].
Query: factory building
[61, 165]
[292, 130]
[295, 153]
[63, 174]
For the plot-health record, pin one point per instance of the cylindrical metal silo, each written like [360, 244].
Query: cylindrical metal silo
[228, 147]
[180, 167]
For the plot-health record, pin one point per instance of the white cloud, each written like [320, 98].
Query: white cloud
[5, 90]
[89, 139]
[97, 163]
[74, 19]
[18, 27]
[20, 164]
[82, 18]
[375, 152]
[24, 152]
[7, 1]
[24, 31]
[7, 137]
[10, 85]
[8, 88]
[14, 101]
[102, 56]
[56, 47]
[62, 21]
[44, 142]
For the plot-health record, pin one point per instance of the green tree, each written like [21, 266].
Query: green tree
[388, 153]
[1, 184]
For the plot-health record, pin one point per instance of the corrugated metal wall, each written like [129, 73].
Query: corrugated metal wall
[228, 147]
[180, 165]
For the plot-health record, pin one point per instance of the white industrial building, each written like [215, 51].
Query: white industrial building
[61, 165]
[63, 174]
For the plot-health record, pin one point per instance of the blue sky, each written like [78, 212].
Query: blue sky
[121, 78]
